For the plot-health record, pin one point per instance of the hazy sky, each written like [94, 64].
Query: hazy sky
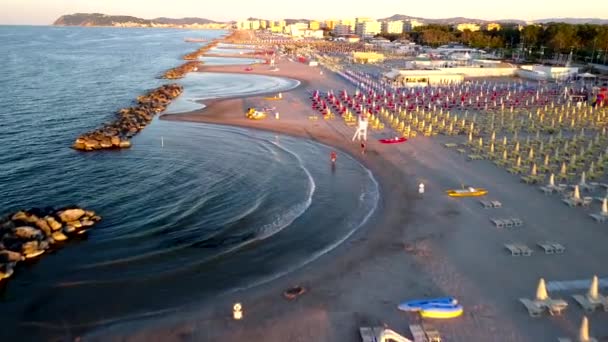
[42, 12]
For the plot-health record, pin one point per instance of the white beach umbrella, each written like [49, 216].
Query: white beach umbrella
[577, 193]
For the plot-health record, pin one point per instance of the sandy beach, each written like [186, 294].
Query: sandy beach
[413, 246]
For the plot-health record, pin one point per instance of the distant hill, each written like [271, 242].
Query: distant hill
[462, 20]
[595, 21]
[99, 19]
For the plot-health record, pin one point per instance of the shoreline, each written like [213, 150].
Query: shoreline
[387, 214]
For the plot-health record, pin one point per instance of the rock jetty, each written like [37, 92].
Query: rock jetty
[182, 70]
[198, 53]
[28, 234]
[129, 121]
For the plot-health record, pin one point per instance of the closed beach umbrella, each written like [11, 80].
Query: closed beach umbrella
[583, 332]
[605, 206]
[552, 180]
[577, 193]
[541, 290]
[533, 171]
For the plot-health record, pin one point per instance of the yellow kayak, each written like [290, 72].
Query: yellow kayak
[469, 192]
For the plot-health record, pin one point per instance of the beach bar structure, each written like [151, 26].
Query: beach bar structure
[414, 78]
[367, 57]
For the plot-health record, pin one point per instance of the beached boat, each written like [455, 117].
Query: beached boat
[468, 192]
[394, 140]
[416, 305]
[443, 311]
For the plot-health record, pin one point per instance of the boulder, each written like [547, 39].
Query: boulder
[59, 236]
[125, 144]
[31, 249]
[6, 270]
[87, 223]
[53, 223]
[20, 216]
[10, 256]
[27, 233]
[44, 226]
[70, 215]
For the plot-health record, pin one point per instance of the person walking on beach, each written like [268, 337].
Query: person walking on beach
[333, 156]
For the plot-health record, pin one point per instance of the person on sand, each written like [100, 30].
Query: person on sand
[362, 147]
[333, 156]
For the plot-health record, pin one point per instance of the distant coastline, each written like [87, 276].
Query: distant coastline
[99, 19]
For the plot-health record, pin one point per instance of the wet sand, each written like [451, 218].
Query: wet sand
[412, 247]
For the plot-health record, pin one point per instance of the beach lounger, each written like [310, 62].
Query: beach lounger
[432, 334]
[599, 217]
[498, 223]
[517, 249]
[508, 223]
[461, 151]
[450, 145]
[533, 308]
[367, 334]
[418, 333]
[547, 190]
[486, 204]
[516, 222]
[551, 247]
[496, 204]
[590, 306]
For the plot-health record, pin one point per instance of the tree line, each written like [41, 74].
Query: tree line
[586, 41]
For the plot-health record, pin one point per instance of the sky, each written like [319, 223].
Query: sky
[44, 12]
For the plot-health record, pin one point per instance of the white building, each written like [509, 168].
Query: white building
[392, 27]
[368, 28]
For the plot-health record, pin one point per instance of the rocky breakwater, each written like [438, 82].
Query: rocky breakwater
[182, 70]
[27, 234]
[129, 121]
[192, 56]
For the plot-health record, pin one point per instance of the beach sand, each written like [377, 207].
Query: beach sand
[413, 247]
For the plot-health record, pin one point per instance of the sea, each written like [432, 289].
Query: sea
[191, 211]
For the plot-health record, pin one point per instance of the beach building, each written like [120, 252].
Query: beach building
[468, 26]
[367, 57]
[546, 73]
[342, 30]
[368, 28]
[421, 78]
[410, 25]
[314, 25]
[392, 27]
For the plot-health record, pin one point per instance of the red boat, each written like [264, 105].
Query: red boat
[395, 140]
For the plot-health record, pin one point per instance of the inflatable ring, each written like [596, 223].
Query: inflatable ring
[294, 292]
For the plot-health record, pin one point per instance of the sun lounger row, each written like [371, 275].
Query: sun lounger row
[507, 222]
[490, 204]
[475, 157]
[599, 217]
[424, 334]
[589, 304]
[535, 309]
[520, 249]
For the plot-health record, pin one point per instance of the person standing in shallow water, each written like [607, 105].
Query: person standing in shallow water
[333, 156]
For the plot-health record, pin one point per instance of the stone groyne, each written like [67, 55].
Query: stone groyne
[129, 121]
[28, 234]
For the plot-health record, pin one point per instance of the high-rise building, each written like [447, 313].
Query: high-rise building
[331, 23]
[392, 27]
[368, 28]
[350, 22]
[341, 30]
